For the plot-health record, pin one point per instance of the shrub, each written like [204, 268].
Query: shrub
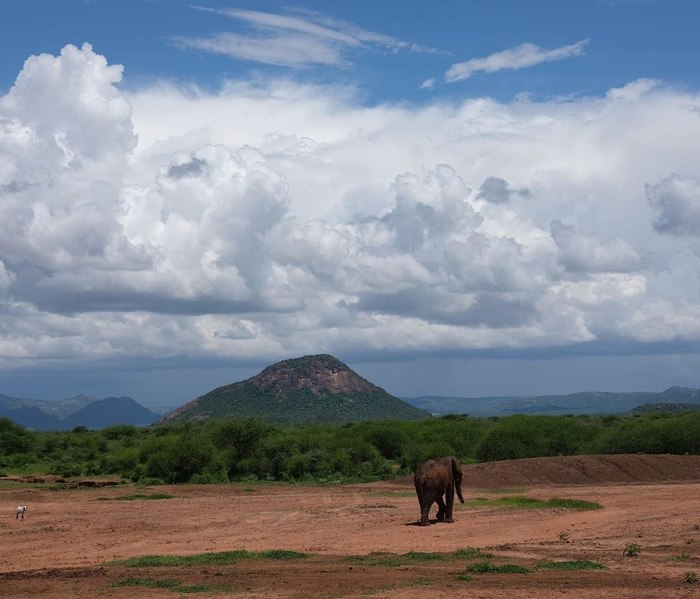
[14, 438]
[121, 460]
[120, 431]
[523, 436]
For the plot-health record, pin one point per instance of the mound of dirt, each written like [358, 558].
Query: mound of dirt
[578, 470]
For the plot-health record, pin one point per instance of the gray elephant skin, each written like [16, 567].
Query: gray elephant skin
[435, 479]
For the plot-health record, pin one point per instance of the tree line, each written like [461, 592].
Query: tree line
[250, 449]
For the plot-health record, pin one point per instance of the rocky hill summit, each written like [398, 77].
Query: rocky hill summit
[310, 389]
[319, 375]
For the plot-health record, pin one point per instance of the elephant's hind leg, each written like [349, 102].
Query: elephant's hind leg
[425, 505]
[441, 509]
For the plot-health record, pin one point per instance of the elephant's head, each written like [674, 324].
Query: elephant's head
[457, 476]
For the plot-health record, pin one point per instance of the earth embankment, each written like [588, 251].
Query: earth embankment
[578, 470]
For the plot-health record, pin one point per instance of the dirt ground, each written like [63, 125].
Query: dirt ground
[64, 546]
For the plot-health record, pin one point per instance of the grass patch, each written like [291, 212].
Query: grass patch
[471, 553]
[166, 583]
[491, 568]
[631, 550]
[391, 560]
[465, 577]
[137, 496]
[522, 502]
[216, 558]
[383, 558]
[578, 564]
[573, 504]
[281, 554]
[683, 557]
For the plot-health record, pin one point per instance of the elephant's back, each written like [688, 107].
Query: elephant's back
[430, 471]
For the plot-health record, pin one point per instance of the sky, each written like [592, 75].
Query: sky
[455, 198]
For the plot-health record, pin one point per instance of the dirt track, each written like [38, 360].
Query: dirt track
[61, 548]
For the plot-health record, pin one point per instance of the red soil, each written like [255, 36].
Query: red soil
[61, 547]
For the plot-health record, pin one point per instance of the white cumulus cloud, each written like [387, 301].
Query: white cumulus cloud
[676, 202]
[263, 221]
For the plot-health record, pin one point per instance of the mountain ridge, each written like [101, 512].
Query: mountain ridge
[81, 410]
[582, 402]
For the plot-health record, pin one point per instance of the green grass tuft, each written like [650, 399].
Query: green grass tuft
[522, 502]
[391, 560]
[381, 558]
[197, 588]
[573, 504]
[471, 553]
[282, 554]
[217, 558]
[683, 557]
[166, 583]
[577, 564]
[491, 568]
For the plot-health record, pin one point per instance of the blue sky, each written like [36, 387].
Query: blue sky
[627, 40]
[457, 198]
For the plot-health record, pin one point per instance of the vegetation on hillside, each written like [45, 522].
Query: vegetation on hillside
[308, 390]
[249, 449]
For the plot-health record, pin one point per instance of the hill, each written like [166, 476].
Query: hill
[311, 389]
[85, 410]
[593, 402]
[109, 411]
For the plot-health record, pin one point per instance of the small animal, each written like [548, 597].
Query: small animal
[20, 511]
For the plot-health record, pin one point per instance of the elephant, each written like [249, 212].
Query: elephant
[436, 478]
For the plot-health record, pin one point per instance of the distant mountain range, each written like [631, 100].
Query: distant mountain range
[321, 389]
[306, 390]
[82, 410]
[593, 402]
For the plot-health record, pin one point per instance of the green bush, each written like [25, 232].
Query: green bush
[176, 458]
[249, 449]
[523, 436]
[14, 438]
